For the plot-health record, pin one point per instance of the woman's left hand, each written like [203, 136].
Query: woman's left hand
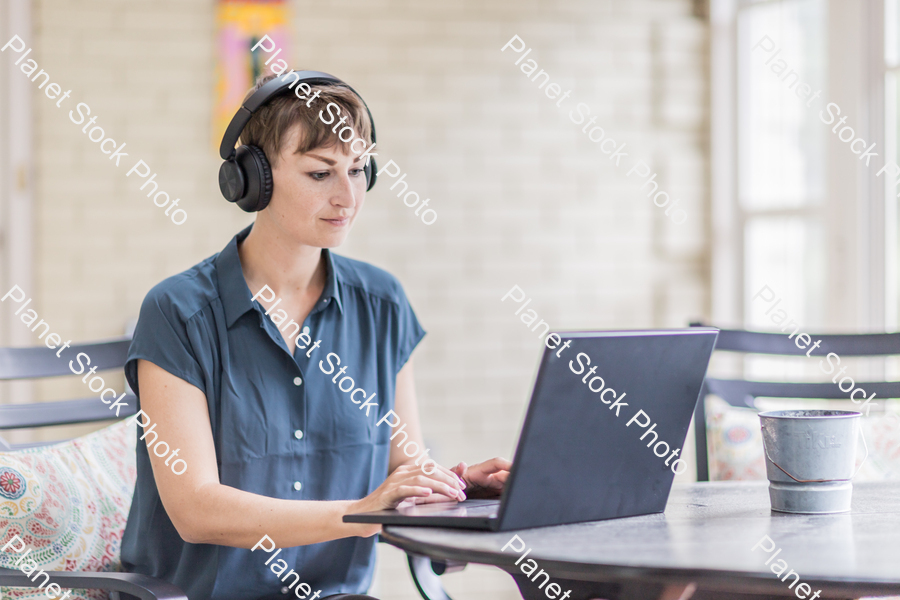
[484, 480]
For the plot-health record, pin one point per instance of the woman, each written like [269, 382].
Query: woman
[270, 444]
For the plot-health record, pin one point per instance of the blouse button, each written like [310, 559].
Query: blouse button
[297, 381]
[306, 329]
[285, 589]
[298, 434]
[297, 485]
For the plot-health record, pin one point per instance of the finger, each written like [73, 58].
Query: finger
[435, 498]
[446, 476]
[455, 476]
[440, 473]
[460, 472]
[495, 464]
[463, 467]
[438, 486]
[454, 492]
[439, 483]
[402, 492]
[427, 499]
[501, 477]
[495, 481]
[409, 502]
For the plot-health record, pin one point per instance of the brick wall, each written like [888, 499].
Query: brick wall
[523, 197]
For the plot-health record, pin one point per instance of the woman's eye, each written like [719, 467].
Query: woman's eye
[356, 172]
[319, 176]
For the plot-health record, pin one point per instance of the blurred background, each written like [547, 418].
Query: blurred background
[773, 197]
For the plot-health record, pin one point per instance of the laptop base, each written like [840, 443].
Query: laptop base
[469, 514]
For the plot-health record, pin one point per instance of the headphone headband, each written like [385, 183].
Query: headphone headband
[246, 175]
[270, 89]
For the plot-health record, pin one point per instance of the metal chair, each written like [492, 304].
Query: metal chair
[40, 362]
[743, 393]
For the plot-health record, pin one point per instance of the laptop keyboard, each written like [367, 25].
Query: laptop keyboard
[481, 511]
[486, 510]
[469, 508]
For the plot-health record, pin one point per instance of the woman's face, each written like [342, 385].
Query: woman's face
[317, 195]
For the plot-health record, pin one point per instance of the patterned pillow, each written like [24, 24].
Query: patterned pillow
[882, 435]
[69, 503]
[734, 441]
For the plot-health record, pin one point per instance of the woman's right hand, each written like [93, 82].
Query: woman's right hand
[409, 481]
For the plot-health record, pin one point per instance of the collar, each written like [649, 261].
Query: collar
[332, 291]
[235, 294]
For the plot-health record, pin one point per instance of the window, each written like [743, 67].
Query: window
[892, 139]
[793, 207]
[781, 155]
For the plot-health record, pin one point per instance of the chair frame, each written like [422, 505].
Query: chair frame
[743, 393]
[40, 362]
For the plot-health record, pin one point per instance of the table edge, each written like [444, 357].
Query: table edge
[731, 581]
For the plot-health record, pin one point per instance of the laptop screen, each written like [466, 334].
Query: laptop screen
[605, 426]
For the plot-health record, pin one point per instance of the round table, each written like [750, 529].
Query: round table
[706, 537]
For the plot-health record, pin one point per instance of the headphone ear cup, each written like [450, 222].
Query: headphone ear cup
[252, 161]
[231, 181]
[371, 171]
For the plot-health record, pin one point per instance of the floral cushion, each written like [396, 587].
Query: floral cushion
[734, 441]
[69, 502]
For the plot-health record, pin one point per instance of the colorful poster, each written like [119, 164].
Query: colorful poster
[241, 24]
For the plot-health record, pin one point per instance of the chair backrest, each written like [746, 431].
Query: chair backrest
[739, 392]
[40, 362]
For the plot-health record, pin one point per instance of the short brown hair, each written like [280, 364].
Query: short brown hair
[268, 127]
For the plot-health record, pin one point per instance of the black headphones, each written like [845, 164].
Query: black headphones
[246, 176]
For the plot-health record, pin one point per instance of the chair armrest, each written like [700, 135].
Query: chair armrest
[426, 575]
[134, 584]
[442, 567]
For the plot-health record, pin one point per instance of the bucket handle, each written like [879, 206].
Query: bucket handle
[865, 445]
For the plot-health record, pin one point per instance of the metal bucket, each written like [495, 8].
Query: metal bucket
[809, 459]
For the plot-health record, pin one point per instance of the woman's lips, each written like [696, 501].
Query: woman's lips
[338, 222]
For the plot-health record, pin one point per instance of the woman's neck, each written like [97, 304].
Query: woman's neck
[270, 258]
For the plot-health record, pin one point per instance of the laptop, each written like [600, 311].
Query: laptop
[576, 460]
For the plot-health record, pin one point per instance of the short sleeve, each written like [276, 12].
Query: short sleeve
[409, 331]
[162, 337]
